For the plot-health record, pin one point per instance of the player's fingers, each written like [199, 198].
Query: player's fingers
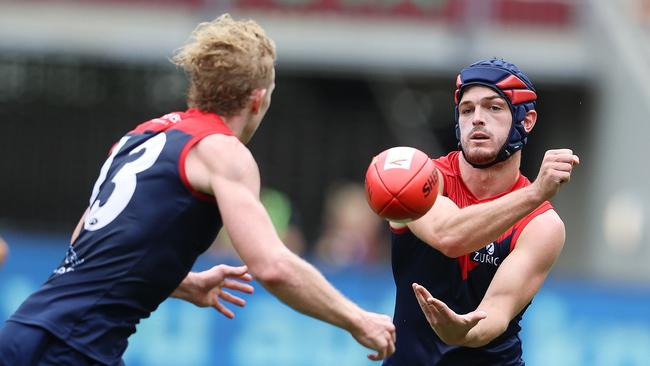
[378, 355]
[420, 297]
[389, 328]
[232, 298]
[393, 332]
[423, 296]
[381, 353]
[437, 317]
[475, 316]
[431, 313]
[233, 271]
[222, 309]
[568, 157]
[390, 349]
[565, 158]
[562, 167]
[246, 277]
[563, 177]
[391, 346]
[555, 152]
[374, 357]
[421, 289]
[426, 309]
[387, 319]
[419, 294]
[561, 156]
[238, 286]
[441, 307]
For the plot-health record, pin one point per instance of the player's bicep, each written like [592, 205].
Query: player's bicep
[234, 180]
[524, 270]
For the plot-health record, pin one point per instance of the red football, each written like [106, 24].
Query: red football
[401, 184]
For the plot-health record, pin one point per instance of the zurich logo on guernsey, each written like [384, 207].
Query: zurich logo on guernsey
[488, 257]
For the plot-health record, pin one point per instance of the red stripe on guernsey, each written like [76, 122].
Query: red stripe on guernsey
[158, 124]
[519, 226]
[505, 235]
[199, 125]
[466, 265]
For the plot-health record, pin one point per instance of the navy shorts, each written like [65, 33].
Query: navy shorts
[27, 345]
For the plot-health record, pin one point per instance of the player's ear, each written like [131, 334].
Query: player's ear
[257, 99]
[530, 120]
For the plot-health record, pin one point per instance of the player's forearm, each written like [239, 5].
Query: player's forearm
[473, 227]
[485, 331]
[302, 287]
[184, 290]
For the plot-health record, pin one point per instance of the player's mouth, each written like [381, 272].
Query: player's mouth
[479, 136]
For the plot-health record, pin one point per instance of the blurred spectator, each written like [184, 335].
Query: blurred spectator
[4, 250]
[284, 219]
[352, 233]
[645, 12]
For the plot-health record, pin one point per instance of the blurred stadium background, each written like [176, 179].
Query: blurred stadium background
[353, 78]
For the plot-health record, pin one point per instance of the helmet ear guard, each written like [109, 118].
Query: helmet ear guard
[516, 89]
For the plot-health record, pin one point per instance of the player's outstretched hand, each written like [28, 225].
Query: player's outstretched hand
[555, 170]
[206, 289]
[377, 332]
[452, 328]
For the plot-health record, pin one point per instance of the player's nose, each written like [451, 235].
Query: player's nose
[478, 117]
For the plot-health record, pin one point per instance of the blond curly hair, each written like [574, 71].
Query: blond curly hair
[226, 60]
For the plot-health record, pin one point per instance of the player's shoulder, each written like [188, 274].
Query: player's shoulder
[224, 154]
[447, 164]
[546, 228]
[224, 147]
[546, 216]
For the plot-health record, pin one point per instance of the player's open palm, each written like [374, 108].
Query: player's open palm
[452, 328]
[555, 170]
[207, 289]
[376, 332]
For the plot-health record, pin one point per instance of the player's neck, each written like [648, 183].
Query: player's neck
[489, 182]
[236, 124]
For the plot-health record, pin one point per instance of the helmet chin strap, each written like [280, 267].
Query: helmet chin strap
[505, 152]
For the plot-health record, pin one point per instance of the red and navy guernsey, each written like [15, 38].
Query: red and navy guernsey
[144, 230]
[460, 282]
